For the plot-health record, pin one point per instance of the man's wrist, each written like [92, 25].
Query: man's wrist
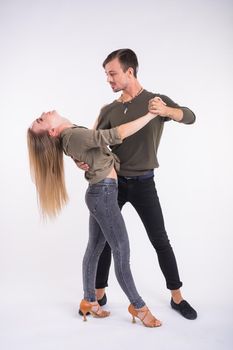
[174, 113]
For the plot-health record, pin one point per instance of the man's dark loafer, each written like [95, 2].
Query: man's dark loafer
[185, 309]
[101, 302]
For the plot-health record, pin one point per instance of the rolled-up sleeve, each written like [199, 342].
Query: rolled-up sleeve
[80, 140]
[98, 138]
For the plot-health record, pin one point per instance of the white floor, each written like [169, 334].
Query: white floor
[41, 287]
[35, 321]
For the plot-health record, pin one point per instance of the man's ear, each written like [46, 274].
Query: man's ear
[131, 71]
[53, 132]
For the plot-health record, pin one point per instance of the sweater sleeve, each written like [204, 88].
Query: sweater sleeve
[82, 139]
[188, 115]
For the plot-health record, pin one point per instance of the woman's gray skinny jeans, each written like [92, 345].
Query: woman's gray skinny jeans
[107, 224]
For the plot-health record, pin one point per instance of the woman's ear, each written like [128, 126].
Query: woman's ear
[53, 132]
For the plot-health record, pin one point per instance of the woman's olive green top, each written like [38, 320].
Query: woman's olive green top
[90, 146]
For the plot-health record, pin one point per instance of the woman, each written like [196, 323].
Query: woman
[48, 137]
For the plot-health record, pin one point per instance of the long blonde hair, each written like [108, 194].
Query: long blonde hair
[47, 171]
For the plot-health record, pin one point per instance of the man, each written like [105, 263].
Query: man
[138, 158]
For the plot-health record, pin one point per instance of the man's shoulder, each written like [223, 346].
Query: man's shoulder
[108, 106]
[106, 109]
[104, 115]
[165, 98]
[154, 94]
[149, 94]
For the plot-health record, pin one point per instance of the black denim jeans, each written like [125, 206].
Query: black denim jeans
[142, 194]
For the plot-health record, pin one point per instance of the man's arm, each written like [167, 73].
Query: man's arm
[81, 165]
[157, 106]
[171, 110]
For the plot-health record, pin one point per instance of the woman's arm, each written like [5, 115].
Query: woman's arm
[102, 137]
[128, 129]
[82, 139]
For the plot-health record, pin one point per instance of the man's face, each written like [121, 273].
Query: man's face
[116, 77]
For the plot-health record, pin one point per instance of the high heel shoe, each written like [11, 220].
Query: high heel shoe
[93, 308]
[144, 315]
[101, 302]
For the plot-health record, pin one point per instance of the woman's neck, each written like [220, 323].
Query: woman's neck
[64, 126]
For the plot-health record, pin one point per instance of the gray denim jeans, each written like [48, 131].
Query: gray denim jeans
[107, 224]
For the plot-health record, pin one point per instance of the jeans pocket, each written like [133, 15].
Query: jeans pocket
[93, 197]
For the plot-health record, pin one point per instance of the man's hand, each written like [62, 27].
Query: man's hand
[81, 165]
[157, 106]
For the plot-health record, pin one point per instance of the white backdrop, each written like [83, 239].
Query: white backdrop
[51, 58]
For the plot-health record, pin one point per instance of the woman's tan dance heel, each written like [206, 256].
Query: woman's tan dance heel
[144, 315]
[93, 308]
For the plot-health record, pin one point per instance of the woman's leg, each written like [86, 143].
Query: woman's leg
[94, 249]
[104, 208]
[106, 255]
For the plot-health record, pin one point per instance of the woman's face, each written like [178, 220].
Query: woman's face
[47, 121]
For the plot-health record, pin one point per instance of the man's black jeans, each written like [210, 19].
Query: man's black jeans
[142, 194]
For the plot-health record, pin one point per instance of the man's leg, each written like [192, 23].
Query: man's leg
[143, 196]
[103, 272]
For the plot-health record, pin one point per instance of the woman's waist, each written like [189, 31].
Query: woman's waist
[112, 174]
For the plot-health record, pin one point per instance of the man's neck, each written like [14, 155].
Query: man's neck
[131, 91]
